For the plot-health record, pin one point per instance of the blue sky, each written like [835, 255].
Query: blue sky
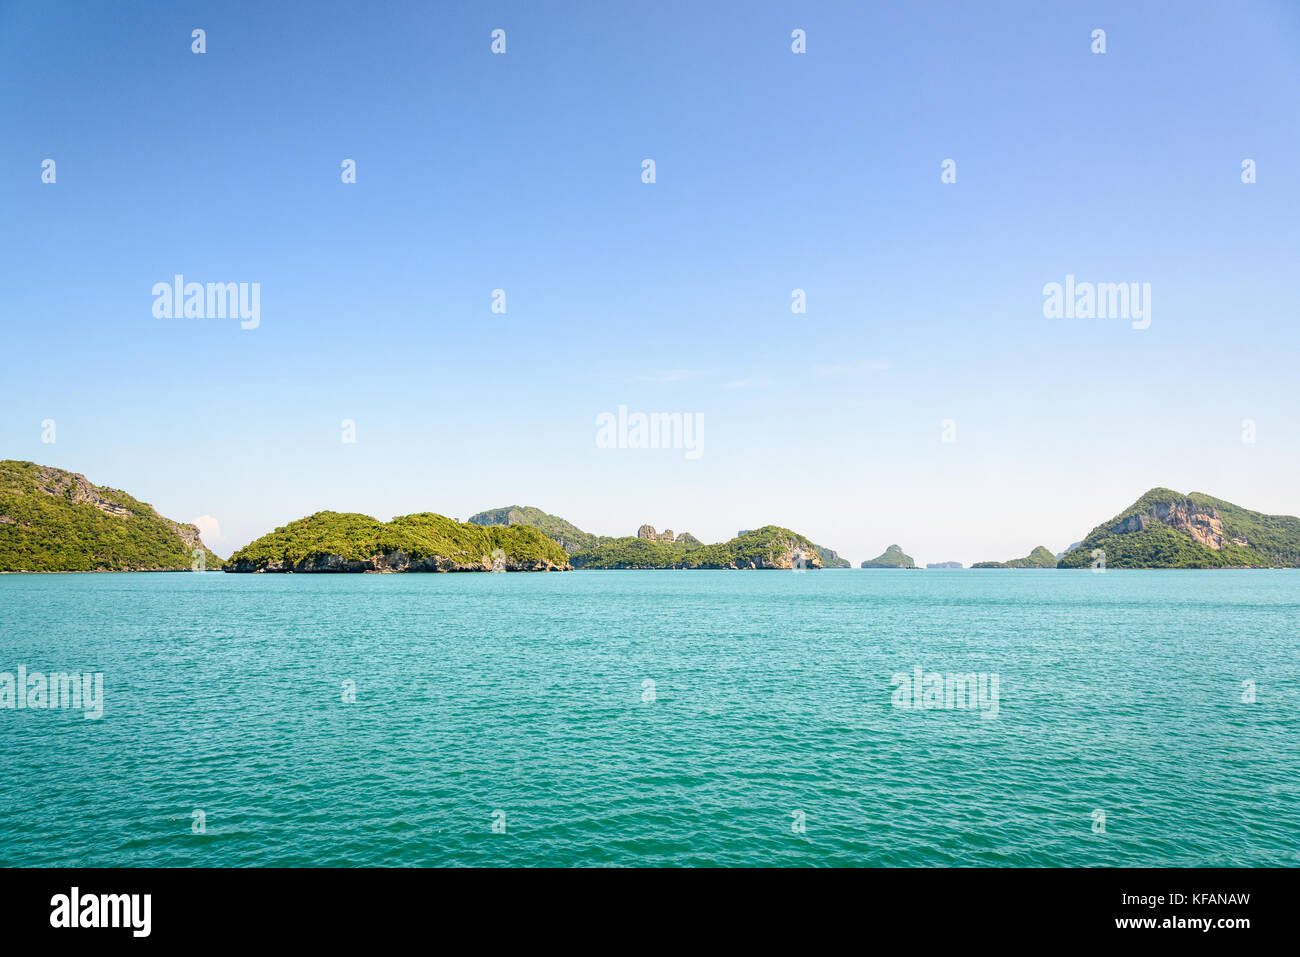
[775, 171]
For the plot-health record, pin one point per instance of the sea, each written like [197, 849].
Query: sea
[828, 718]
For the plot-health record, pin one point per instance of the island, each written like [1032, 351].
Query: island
[763, 548]
[1166, 529]
[423, 542]
[52, 520]
[891, 557]
[1040, 557]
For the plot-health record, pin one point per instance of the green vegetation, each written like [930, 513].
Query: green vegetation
[832, 560]
[345, 541]
[567, 535]
[57, 521]
[891, 557]
[1040, 557]
[1165, 529]
[768, 547]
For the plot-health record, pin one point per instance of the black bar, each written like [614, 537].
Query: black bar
[931, 908]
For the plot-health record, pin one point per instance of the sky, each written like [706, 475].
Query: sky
[923, 398]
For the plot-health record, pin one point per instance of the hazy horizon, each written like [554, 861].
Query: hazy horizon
[924, 398]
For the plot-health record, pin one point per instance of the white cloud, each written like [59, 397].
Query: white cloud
[209, 529]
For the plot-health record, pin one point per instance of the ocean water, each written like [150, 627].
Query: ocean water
[769, 736]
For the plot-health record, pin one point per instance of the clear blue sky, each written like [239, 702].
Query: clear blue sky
[775, 171]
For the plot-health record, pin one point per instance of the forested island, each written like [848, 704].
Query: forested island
[1040, 557]
[52, 520]
[423, 542]
[891, 557]
[768, 547]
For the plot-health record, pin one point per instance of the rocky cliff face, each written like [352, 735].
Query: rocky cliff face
[189, 533]
[78, 490]
[793, 556]
[1199, 521]
[648, 533]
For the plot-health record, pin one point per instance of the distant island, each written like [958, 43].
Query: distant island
[891, 557]
[52, 520]
[1040, 557]
[768, 547]
[521, 539]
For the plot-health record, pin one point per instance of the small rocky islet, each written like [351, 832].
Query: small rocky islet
[891, 557]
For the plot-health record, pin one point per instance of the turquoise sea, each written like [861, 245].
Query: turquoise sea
[771, 710]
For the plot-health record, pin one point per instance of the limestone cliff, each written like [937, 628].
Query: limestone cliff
[1199, 521]
[1167, 529]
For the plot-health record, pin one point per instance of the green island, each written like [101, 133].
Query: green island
[52, 520]
[1040, 557]
[1166, 529]
[891, 557]
[768, 547]
[424, 542]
